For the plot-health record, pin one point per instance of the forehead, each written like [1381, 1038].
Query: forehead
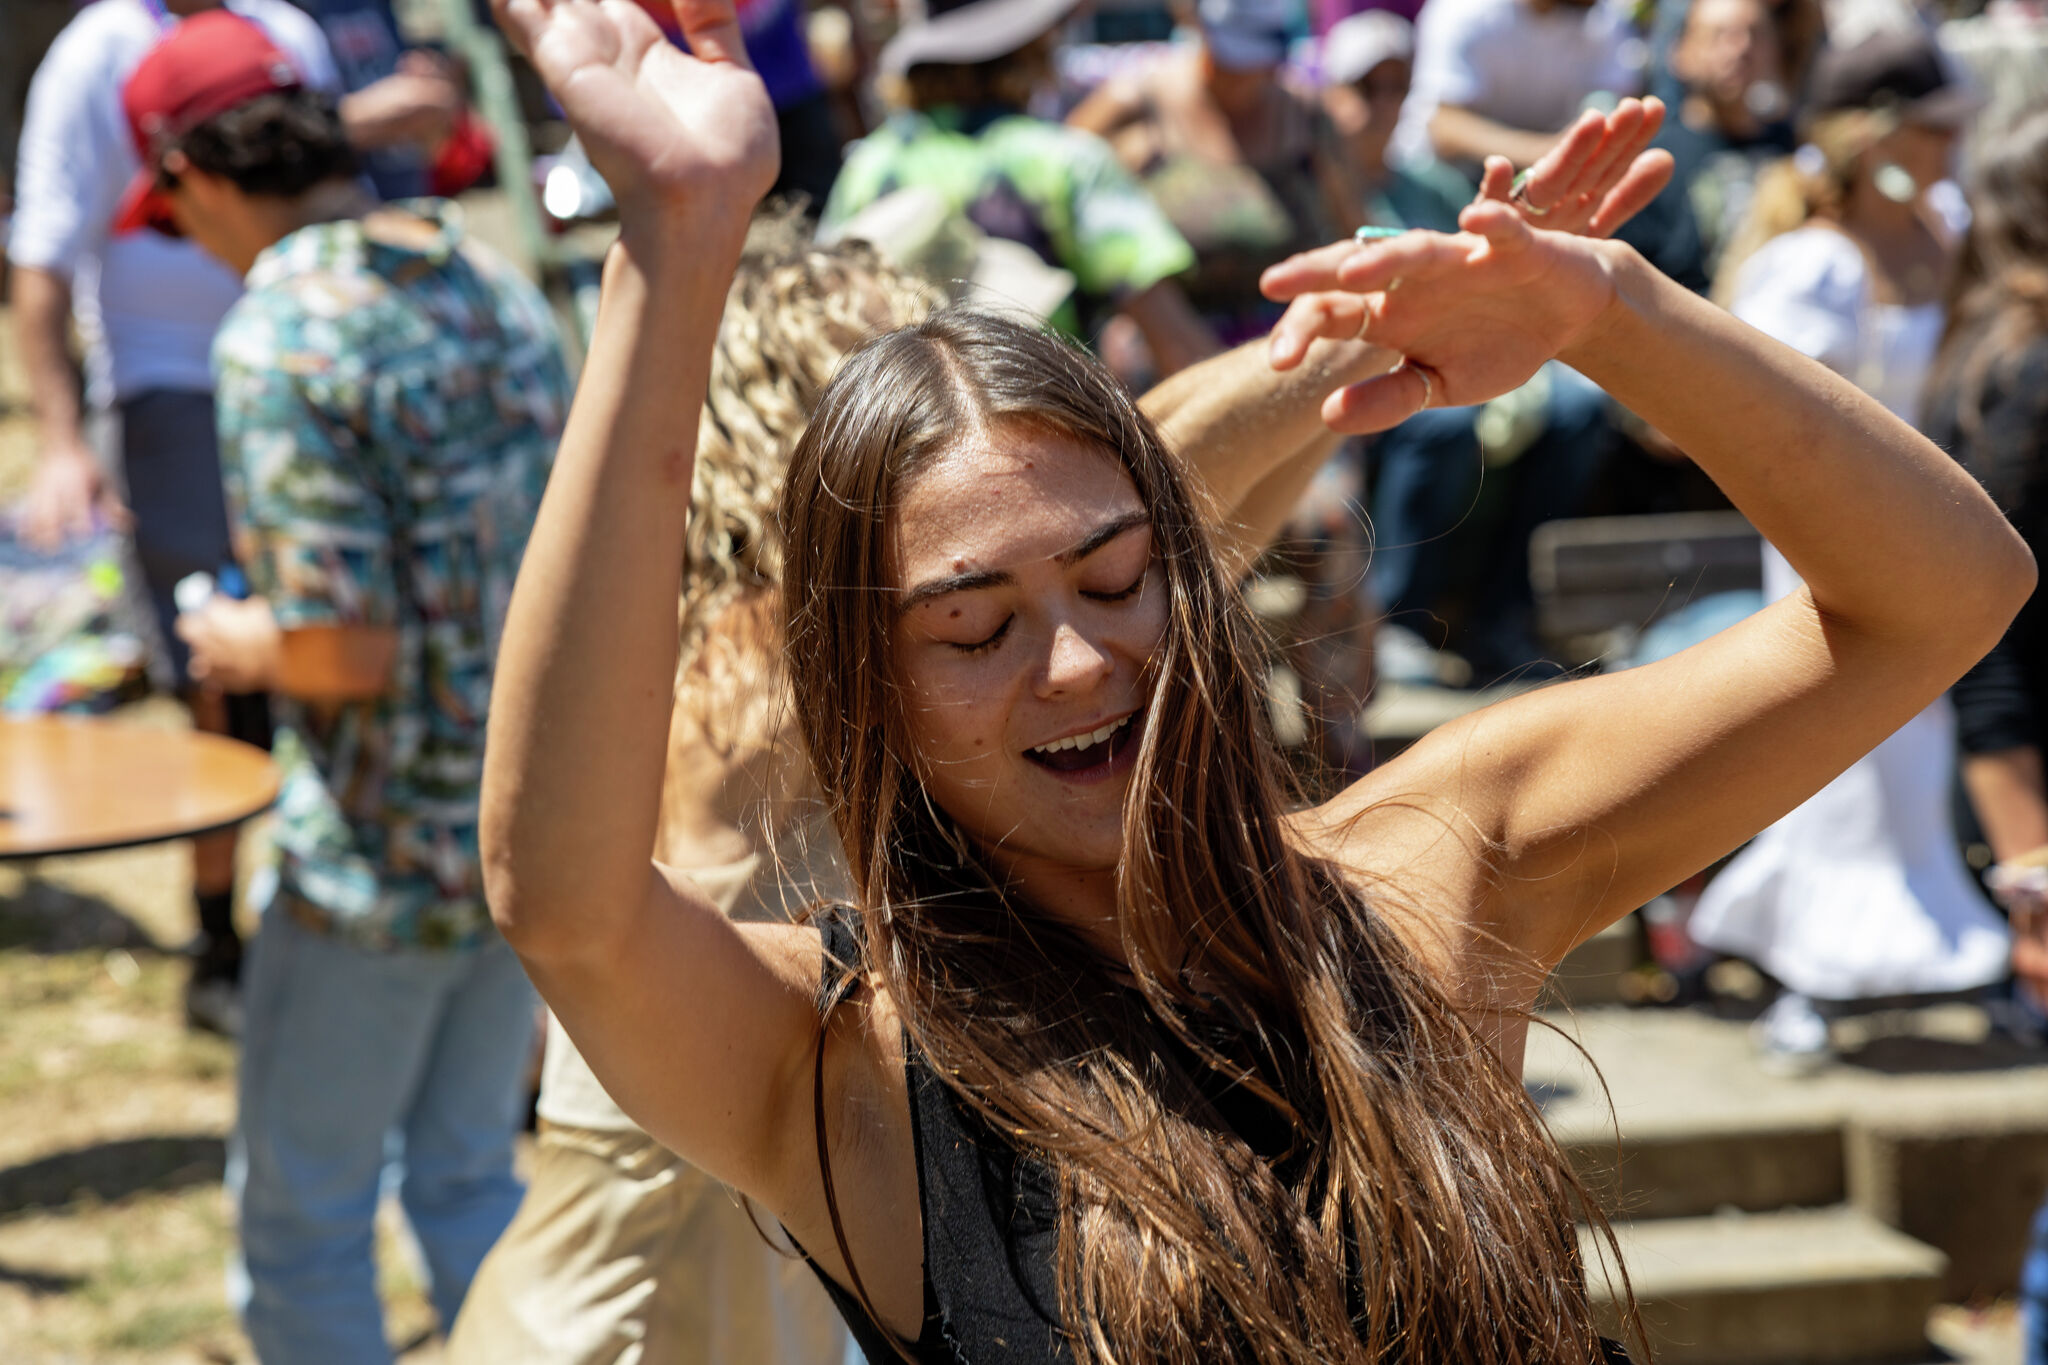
[1708, 15]
[1004, 497]
[1387, 69]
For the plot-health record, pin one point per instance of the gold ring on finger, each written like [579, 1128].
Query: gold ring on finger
[1421, 372]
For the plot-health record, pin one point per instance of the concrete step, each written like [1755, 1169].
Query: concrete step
[1787, 1288]
[1925, 1122]
[1965, 1176]
[1694, 1124]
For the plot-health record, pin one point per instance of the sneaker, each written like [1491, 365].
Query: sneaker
[213, 995]
[1792, 1036]
[214, 1005]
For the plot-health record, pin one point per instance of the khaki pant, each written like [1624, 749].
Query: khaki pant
[625, 1254]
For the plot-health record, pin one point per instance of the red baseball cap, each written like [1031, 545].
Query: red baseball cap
[207, 65]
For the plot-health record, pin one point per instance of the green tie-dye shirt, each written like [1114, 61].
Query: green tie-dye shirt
[388, 413]
[1056, 189]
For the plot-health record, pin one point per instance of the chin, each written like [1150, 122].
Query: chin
[1074, 846]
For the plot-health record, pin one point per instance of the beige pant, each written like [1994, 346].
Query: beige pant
[625, 1254]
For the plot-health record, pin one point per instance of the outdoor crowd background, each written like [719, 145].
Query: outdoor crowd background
[1867, 180]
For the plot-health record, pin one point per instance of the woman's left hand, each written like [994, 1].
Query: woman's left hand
[1475, 313]
[1601, 173]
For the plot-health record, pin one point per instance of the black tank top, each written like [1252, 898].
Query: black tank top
[989, 1217]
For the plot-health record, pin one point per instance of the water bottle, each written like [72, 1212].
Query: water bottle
[194, 590]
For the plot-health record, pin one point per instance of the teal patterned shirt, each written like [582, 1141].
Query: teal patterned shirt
[388, 413]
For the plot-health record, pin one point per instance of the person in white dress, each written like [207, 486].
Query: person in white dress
[1861, 892]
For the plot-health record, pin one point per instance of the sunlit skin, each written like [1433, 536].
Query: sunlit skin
[1926, 154]
[1365, 112]
[1729, 46]
[1031, 606]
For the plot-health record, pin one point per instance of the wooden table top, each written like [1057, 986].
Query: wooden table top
[73, 784]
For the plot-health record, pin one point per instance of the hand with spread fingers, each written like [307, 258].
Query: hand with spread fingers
[1601, 173]
[664, 127]
[1474, 313]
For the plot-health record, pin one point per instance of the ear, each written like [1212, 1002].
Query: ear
[197, 188]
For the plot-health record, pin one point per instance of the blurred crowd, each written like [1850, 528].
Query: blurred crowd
[1864, 180]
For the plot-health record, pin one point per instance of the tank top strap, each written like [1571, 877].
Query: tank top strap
[842, 954]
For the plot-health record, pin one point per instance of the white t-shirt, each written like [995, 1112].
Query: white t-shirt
[1810, 288]
[1504, 61]
[147, 305]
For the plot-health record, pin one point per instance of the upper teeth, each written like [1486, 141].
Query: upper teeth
[1083, 741]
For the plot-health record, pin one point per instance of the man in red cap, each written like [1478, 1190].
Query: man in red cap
[389, 398]
[146, 307]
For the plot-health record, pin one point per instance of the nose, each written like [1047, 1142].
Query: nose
[1073, 664]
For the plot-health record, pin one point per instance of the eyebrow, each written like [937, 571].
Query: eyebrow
[996, 578]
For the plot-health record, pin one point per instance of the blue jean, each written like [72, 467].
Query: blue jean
[350, 1058]
[1425, 484]
[2034, 1293]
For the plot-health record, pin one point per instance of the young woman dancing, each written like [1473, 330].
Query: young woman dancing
[1131, 1061]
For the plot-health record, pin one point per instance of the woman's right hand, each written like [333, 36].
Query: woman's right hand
[667, 129]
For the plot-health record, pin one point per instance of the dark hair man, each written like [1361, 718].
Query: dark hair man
[389, 397]
[146, 307]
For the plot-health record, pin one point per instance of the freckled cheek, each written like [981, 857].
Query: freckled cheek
[953, 719]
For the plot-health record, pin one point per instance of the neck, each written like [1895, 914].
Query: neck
[1369, 162]
[1704, 113]
[1869, 215]
[1083, 899]
[272, 220]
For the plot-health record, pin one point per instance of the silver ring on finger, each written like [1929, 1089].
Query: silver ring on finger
[1518, 195]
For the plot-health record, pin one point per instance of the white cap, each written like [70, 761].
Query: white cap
[916, 229]
[1356, 45]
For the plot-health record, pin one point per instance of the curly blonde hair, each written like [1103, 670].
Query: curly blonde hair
[794, 311]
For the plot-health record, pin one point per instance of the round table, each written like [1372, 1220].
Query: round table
[73, 784]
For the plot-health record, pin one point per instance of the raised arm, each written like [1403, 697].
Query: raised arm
[1586, 799]
[700, 1029]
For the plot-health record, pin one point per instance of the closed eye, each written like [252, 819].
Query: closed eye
[981, 646]
[1120, 595]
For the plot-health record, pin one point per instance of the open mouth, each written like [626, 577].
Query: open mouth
[1080, 753]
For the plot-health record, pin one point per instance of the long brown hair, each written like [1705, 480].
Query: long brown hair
[1998, 301]
[1425, 1214]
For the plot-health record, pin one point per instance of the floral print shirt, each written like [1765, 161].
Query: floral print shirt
[389, 405]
